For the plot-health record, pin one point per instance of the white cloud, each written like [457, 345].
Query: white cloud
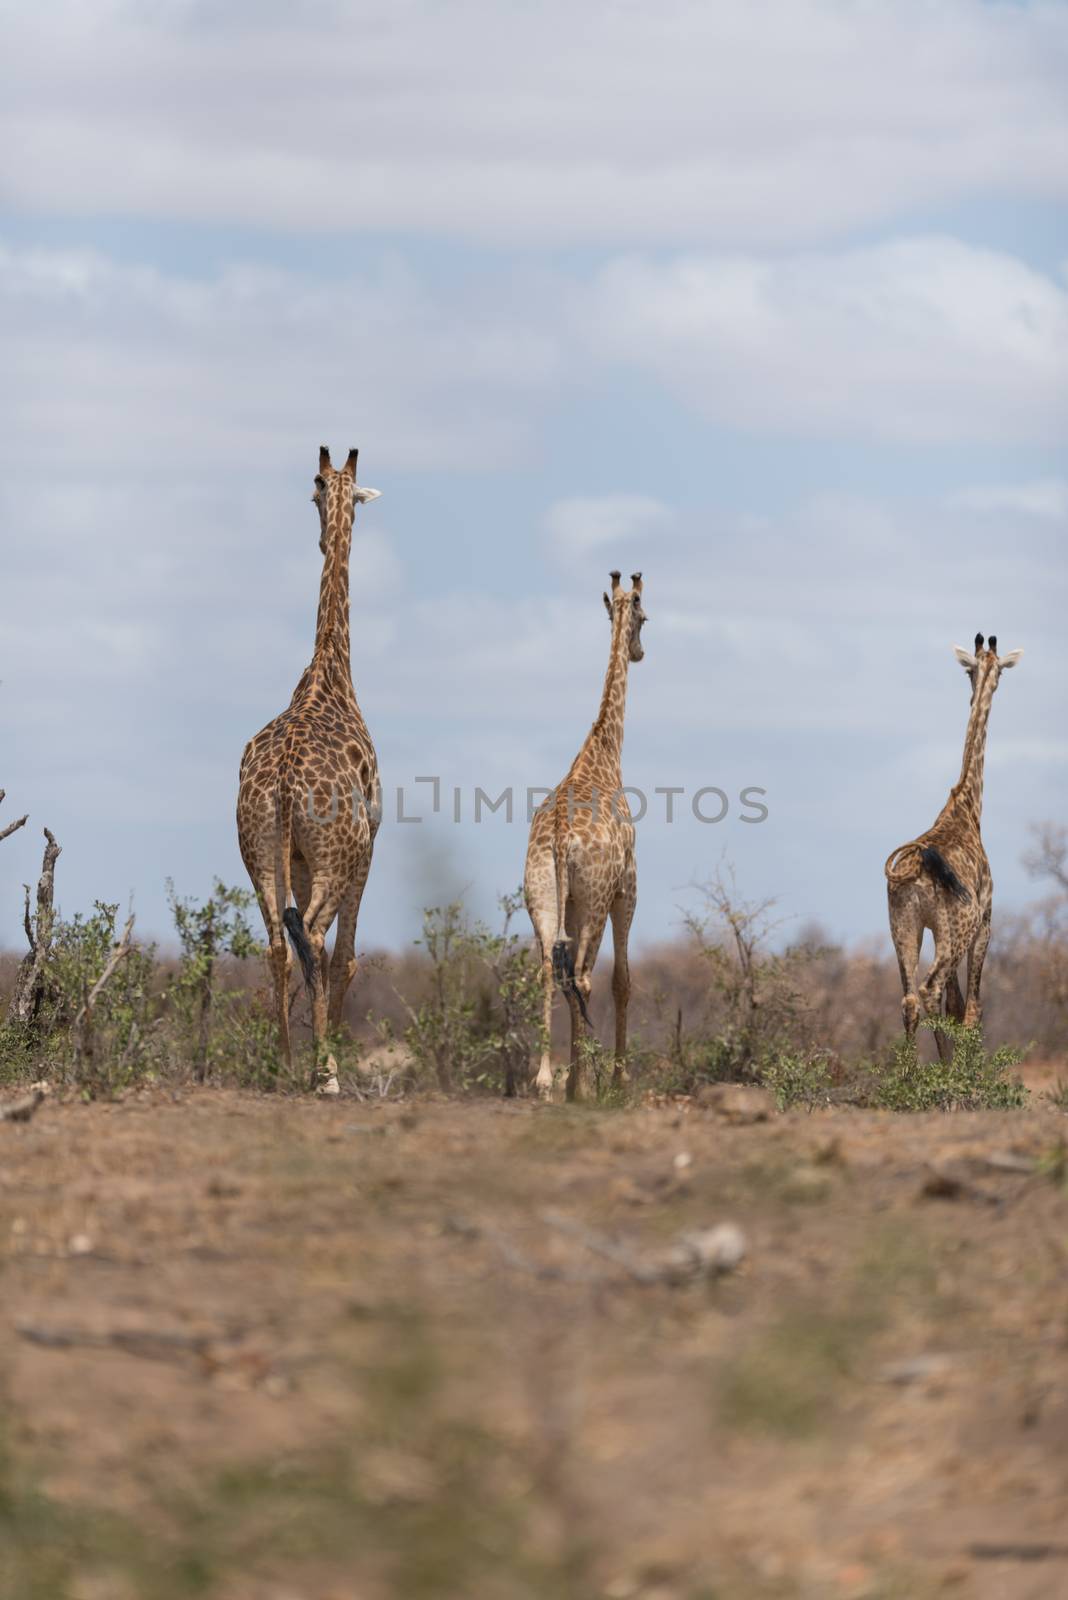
[585, 523]
[1046, 498]
[923, 340]
[782, 122]
[127, 365]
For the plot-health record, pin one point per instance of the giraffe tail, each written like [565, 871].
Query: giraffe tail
[564, 974]
[937, 867]
[903, 864]
[292, 921]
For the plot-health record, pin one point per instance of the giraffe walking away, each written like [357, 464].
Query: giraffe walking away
[941, 880]
[307, 805]
[580, 866]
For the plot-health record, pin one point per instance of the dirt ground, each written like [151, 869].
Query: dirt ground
[273, 1349]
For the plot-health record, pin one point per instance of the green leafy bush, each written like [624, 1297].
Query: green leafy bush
[480, 1023]
[971, 1080]
[798, 1078]
[217, 927]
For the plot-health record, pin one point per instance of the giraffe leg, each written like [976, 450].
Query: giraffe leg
[574, 1086]
[279, 964]
[945, 963]
[907, 932]
[343, 962]
[582, 1036]
[539, 889]
[543, 1083]
[973, 1011]
[954, 998]
[322, 909]
[622, 915]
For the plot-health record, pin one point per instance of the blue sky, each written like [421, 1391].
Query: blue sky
[768, 301]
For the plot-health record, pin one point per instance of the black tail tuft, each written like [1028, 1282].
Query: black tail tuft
[564, 973]
[940, 870]
[293, 923]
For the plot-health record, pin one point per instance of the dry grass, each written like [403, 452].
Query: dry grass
[256, 1348]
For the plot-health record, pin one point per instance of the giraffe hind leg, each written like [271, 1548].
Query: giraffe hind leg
[622, 914]
[907, 932]
[954, 998]
[973, 1011]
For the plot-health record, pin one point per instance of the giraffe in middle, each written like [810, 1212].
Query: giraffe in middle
[580, 859]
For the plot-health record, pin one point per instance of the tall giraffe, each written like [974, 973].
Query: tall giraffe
[580, 859]
[307, 805]
[941, 880]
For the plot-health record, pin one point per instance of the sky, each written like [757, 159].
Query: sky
[768, 301]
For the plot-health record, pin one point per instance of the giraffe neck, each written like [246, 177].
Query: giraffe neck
[607, 731]
[332, 623]
[968, 789]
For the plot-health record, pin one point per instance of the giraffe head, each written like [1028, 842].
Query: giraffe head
[984, 666]
[337, 494]
[627, 604]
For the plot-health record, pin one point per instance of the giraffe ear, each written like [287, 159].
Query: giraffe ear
[362, 493]
[1011, 659]
[607, 606]
[965, 657]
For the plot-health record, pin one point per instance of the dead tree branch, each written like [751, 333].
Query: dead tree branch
[30, 979]
[155, 1344]
[703, 1254]
[12, 827]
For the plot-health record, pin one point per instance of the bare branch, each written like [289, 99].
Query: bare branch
[702, 1254]
[29, 981]
[705, 1253]
[1049, 858]
[12, 827]
[156, 1344]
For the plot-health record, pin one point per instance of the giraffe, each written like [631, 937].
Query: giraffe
[307, 805]
[580, 859]
[941, 880]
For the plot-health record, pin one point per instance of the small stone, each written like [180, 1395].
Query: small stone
[80, 1245]
[708, 1252]
[683, 1160]
[916, 1370]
